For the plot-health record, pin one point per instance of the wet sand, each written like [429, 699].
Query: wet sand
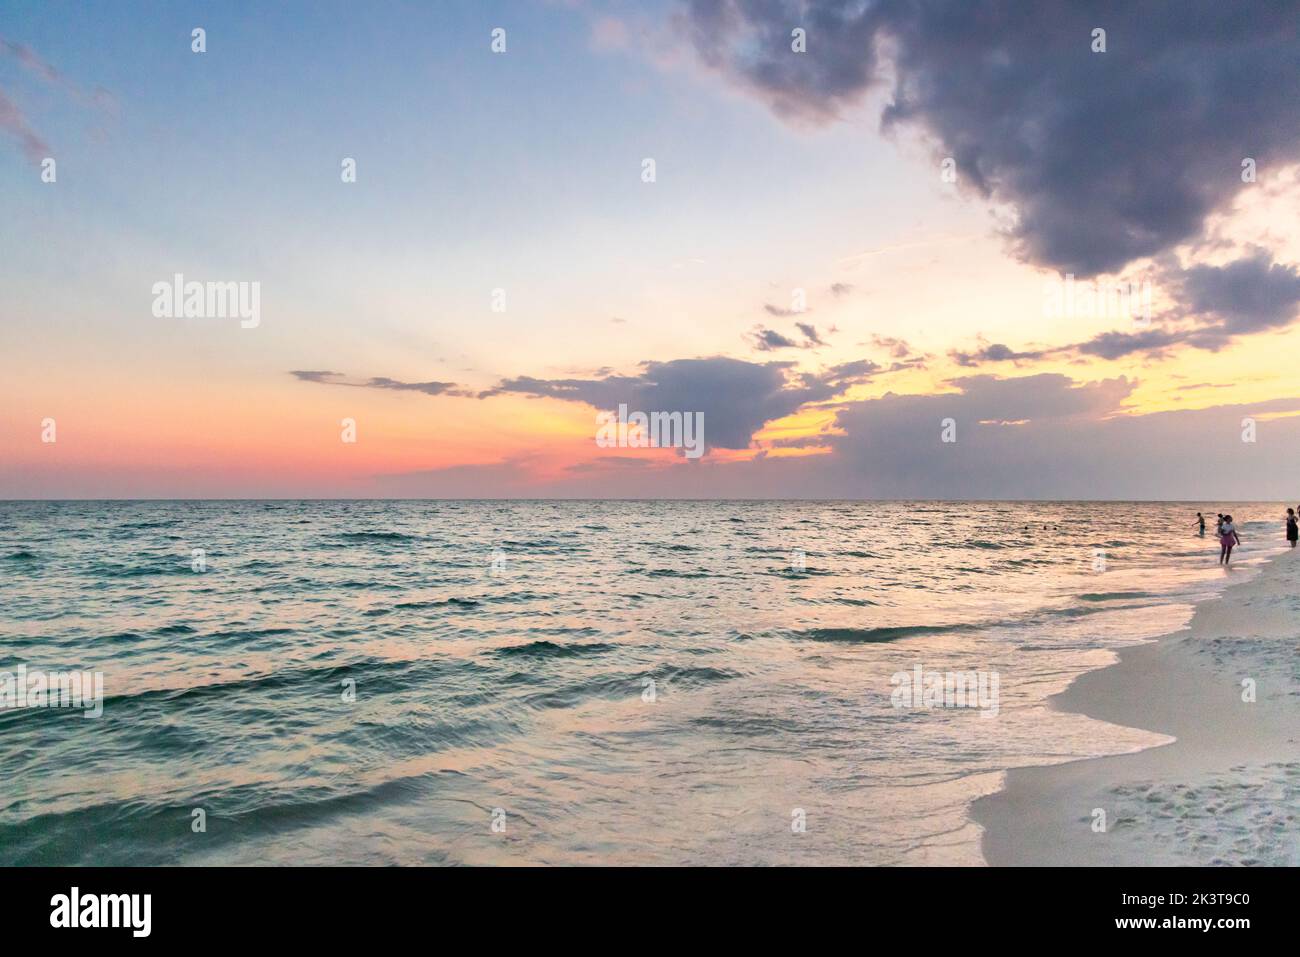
[1225, 788]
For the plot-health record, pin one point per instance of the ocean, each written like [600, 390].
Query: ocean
[565, 682]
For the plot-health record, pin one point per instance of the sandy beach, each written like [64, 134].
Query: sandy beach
[1224, 790]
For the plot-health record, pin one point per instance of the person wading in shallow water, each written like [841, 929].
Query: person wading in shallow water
[1292, 531]
[1200, 520]
[1228, 537]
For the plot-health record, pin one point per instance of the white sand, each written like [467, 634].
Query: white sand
[1225, 791]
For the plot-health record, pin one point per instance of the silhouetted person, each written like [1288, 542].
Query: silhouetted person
[1228, 537]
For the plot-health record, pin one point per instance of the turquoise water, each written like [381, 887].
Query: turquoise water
[470, 682]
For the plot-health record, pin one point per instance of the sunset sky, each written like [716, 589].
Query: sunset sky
[778, 174]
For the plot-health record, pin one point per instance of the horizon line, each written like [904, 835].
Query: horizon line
[1008, 501]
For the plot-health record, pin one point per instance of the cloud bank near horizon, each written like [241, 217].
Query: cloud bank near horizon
[1039, 436]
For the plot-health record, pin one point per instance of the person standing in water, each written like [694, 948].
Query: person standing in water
[1200, 520]
[1228, 537]
[1292, 530]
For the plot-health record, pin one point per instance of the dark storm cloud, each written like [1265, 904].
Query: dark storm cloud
[737, 398]
[1247, 295]
[1106, 157]
[747, 40]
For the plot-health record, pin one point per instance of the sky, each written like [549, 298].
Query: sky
[891, 249]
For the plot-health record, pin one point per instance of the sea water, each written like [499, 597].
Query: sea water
[459, 682]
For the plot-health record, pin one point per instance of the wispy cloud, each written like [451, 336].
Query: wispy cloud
[769, 340]
[45, 71]
[380, 382]
[13, 122]
[12, 119]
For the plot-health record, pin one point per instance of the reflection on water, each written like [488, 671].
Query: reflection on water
[627, 682]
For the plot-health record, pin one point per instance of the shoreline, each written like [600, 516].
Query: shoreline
[1224, 789]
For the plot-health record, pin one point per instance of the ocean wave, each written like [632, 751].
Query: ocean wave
[372, 676]
[549, 649]
[889, 633]
[437, 603]
[177, 566]
[569, 696]
[257, 563]
[315, 583]
[246, 634]
[691, 676]
[630, 686]
[1115, 595]
[119, 637]
[674, 573]
[517, 597]
[541, 544]
[760, 726]
[158, 523]
[139, 829]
